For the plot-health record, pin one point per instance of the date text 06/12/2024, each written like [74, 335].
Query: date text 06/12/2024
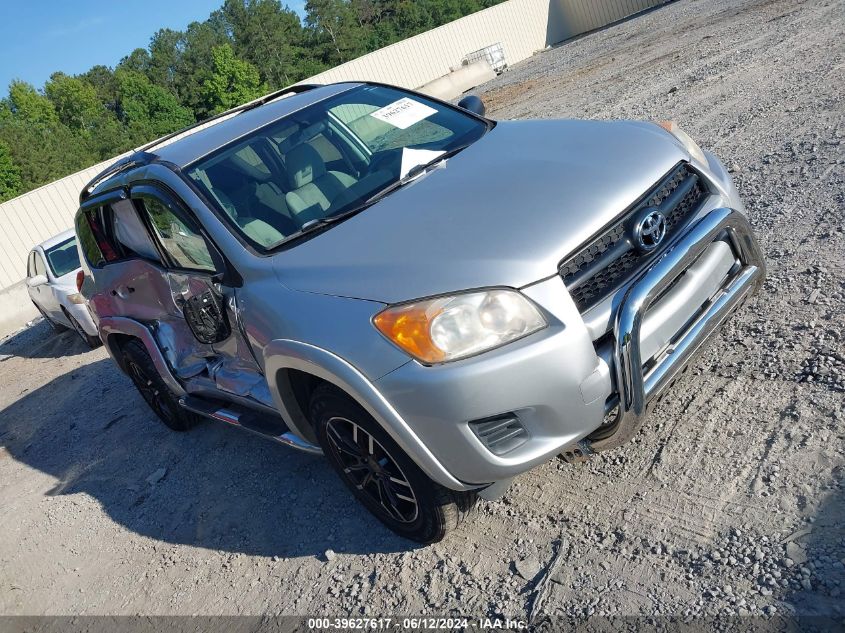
[420, 623]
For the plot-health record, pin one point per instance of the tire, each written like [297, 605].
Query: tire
[56, 327]
[376, 470]
[91, 341]
[154, 390]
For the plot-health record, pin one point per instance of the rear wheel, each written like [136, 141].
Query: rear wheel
[56, 327]
[90, 341]
[380, 474]
[148, 382]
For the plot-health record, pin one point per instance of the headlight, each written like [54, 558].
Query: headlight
[448, 328]
[690, 145]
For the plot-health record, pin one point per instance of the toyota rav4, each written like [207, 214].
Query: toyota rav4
[435, 301]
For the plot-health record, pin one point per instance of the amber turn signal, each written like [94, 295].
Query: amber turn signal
[409, 327]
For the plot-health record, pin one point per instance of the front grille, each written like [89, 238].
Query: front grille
[611, 258]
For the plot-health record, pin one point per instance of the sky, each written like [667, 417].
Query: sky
[39, 37]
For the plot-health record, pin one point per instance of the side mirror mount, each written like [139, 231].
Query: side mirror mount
[473, 104]
[38, 280]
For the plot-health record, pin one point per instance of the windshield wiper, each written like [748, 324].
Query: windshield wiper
[413, 173]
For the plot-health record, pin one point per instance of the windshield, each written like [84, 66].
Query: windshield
[328, 159]
[63, 258]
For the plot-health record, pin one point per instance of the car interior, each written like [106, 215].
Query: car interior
[272, 185]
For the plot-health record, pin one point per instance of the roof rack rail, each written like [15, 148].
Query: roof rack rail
[241, 108]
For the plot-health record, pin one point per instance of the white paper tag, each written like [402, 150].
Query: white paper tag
[413, 157]
[403, 113]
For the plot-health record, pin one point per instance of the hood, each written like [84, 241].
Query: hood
[504, 212]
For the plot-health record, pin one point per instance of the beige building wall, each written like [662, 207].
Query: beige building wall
[521, 26]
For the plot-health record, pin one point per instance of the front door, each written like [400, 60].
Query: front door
[168, 275]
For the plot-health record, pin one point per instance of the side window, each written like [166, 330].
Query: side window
[93, 228]
[30, 266]
[40, 268]
[178, 235]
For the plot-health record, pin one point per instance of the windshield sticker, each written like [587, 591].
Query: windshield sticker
[403, 113]
[413, 157]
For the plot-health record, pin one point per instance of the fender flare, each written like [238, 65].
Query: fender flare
[282, 354]
[109, 326]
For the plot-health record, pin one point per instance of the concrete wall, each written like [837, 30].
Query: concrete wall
[36, 216]
[16, 309]
[522, 26]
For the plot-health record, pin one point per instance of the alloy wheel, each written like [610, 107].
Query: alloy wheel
[158, 401]
[372, 470]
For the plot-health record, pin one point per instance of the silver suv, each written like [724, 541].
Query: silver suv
[435, 301]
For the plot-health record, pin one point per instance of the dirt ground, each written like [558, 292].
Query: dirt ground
[730, 501]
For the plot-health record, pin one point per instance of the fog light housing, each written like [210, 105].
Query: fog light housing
[500, 434]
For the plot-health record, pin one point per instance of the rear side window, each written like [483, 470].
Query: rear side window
[178, 235]
[93, 228]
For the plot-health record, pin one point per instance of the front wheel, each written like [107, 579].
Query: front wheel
[154, 390]
[380, 474]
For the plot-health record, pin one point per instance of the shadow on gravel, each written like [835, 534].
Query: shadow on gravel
[213, 487]
[819, 599]
[39, 340]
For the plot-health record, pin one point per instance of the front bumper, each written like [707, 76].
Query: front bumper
[557, 381]
[561, 382]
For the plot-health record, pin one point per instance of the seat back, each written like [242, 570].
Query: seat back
[313, 188]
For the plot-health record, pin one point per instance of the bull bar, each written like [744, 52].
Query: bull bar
[636, 388]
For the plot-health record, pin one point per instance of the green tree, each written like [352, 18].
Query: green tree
[102, 79]
[10, 175]
[336, 31]
[149, 111]
[165, 63]
[233, 81]
[271, 38]
[197, 61]
[27, 104]
[137, 61]
[43, 152]
[79, 107]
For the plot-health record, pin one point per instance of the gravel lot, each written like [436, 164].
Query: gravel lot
[730, 501]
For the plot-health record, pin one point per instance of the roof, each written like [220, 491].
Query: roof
[196, 144]
[57, 239]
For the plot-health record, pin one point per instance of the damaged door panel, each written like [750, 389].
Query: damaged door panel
[206, 308]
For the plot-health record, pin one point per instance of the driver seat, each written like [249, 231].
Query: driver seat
[313, 188]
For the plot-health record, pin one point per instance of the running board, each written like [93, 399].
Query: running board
[263, 425]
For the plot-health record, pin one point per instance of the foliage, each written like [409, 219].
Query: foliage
[148, 110]
[10, 176]
[233, 81]
[242, 50]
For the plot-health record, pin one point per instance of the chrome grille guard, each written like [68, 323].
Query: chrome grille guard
[635, 388]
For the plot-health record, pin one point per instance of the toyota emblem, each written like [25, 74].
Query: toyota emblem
[651, 230]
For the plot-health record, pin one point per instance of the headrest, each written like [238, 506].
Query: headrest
[304, 165]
